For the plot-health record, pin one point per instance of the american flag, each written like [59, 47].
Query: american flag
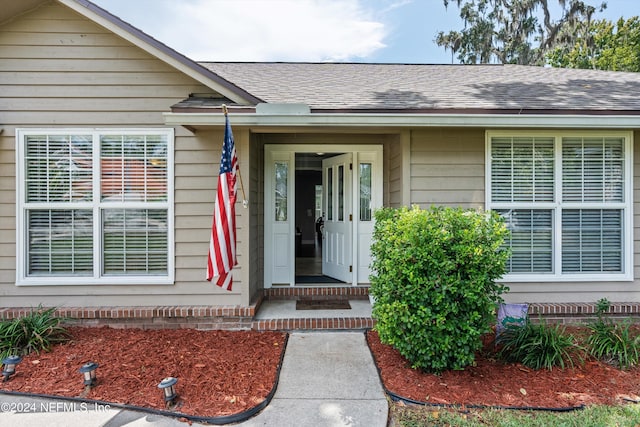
[222, 248]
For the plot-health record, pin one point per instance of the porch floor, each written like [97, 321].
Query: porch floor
[277, 310]
[286, 309]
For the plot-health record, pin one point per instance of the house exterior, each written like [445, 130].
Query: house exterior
[110, 150]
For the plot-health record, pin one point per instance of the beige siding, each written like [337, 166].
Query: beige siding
[447, 167]
[58, 69]
[393, 173]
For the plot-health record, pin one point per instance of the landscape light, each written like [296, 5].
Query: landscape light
[167, 387]
[9, 366]
[89, 373]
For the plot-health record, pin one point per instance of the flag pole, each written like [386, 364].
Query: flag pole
[245, 202]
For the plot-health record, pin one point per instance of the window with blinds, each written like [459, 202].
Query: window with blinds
[94, 205]
[565, 201]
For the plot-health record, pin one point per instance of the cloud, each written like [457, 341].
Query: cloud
[277, 30]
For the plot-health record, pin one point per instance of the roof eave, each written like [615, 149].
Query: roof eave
[161, 51]
[398, 120]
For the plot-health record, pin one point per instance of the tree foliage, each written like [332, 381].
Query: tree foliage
[515, 31]
[606, 46]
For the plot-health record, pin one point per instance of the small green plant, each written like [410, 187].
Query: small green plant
[611, 342]
[434, 282]
[37, 331]
[538, 346]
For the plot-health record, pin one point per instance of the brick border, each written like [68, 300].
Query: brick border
[582, 312]
[243, 318]
[156, 317]
[333, 323]
[316, 292]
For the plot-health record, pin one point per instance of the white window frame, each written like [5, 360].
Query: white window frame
[22, 279]
[558, 205]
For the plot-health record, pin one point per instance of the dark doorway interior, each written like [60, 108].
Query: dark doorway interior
[308, 246]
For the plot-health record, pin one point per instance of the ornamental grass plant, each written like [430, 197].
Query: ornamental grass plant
[34, 332]
[538, 345]
[613, 342]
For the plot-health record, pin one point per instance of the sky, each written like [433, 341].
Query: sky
[375, 31]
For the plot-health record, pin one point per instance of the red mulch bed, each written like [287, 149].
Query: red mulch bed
[224, 373]
[219, 372]
[493, 383]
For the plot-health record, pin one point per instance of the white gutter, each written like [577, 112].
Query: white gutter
[406, 120]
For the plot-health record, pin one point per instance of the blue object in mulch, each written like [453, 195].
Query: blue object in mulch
[511, 314]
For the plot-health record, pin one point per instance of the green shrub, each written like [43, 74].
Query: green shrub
[538, 346]
[612, 342]
[34, 332]
[433, 280]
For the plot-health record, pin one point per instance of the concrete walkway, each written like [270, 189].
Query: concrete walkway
[327, 379]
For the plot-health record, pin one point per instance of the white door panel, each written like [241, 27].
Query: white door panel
[278, 216]
[367, 198]
[337, 194]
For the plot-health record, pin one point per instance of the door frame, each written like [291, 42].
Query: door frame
[279, 237]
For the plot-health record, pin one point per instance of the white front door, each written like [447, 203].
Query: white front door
[338, 217]
[352, 190]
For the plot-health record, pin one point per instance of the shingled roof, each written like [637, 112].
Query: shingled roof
[437, 88]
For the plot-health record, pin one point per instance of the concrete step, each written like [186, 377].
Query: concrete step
[277, 310]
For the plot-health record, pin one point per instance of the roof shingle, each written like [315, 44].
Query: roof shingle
[352, 86]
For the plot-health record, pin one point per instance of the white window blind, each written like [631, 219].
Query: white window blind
[60, 242]
[565, 200]
[59, 168]
[592, 240]
[592, 169]
[522, 169]
[530, 240]
[135, 241]
[91, 227]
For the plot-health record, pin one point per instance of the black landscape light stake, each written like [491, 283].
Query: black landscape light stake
[88, 371]
[167, 386]
[9, 366]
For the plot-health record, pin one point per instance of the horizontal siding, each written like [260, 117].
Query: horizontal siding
[104, 91]
[447, 168]
[13, 119]
[93, 65]
[56, 61]
[71, 51]
[89, 78]
[394, 165]
[13, 37]
[85, 104]
[59, 69]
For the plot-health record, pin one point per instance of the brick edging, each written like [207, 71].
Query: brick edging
[137, 312]
[569, 309]
[333, 323]
[243, 318]
[151, 317]
[316, 292]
